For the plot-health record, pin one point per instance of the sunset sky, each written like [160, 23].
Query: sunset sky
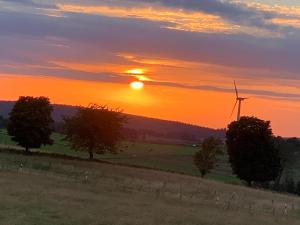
[186, 52]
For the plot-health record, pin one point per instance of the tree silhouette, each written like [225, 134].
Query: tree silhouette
[30, 123]
[288, 148]
[94, 129]
[250, 145]
[205, 158]
[3, 122]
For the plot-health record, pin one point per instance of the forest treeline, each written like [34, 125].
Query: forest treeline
[138, 127]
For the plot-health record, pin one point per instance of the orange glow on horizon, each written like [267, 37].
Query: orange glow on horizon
[201, 107]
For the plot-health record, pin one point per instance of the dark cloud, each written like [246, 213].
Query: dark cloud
[46, 70]
[137, 36]
[247, 92]
[238, 13]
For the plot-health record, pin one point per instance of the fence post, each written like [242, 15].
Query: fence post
[180, 192]
[273, 207]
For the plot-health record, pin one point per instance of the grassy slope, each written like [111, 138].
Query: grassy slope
[48, 191]
[175, 158]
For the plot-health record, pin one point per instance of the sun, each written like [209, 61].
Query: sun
[137, 85]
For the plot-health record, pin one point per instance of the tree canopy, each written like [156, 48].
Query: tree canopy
[94, 129]
[205, 158]
[30, 123]
[252, 154]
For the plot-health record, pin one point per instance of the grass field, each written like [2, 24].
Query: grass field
[46, 191]
[173, 158]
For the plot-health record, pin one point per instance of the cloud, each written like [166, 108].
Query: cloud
[85, 35]
[191, 15]
[187, 15]
[126, 79]
[30, 42]
[234, 11]
[167, 18]
[31, 3]
[252, 92]
[51, 71]
[45, 7]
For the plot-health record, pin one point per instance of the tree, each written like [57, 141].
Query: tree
[30, 123]
[205, 158]
[252, 154]
[288, 150]
[3, 122]
[298, 188]
[290, 186]
[94, 129]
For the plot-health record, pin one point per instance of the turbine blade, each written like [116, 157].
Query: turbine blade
[233, 108]
[236, 90]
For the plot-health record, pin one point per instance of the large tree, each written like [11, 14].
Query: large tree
[252, 154]
[30, 123]
[94, 129]
[205, 159]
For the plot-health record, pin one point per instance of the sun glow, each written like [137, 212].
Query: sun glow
[137, 85]
[138, 73]
[135, 71]
[142, 78]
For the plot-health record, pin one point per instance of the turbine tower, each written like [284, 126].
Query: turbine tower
[238, 101]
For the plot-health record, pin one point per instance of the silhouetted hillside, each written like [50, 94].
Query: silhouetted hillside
[140, 128]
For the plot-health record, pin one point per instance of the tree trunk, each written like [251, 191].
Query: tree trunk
[278, 179]
[91, 155]
[203, 174]
[27, 149]
[249, 183]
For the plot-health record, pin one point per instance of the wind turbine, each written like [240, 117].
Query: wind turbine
[238, 101]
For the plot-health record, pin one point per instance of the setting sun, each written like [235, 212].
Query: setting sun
[137, 85]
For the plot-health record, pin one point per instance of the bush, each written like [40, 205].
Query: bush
[205, 158]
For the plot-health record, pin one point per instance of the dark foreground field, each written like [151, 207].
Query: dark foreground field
[46, 191]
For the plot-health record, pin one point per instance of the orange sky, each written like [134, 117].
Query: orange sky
[207, 108]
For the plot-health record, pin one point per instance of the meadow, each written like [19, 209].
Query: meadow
[47, 191]
[165, 157]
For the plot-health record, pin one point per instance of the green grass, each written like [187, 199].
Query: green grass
[172, 158]
[47, 191]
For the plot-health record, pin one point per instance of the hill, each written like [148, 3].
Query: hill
[141, 128]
